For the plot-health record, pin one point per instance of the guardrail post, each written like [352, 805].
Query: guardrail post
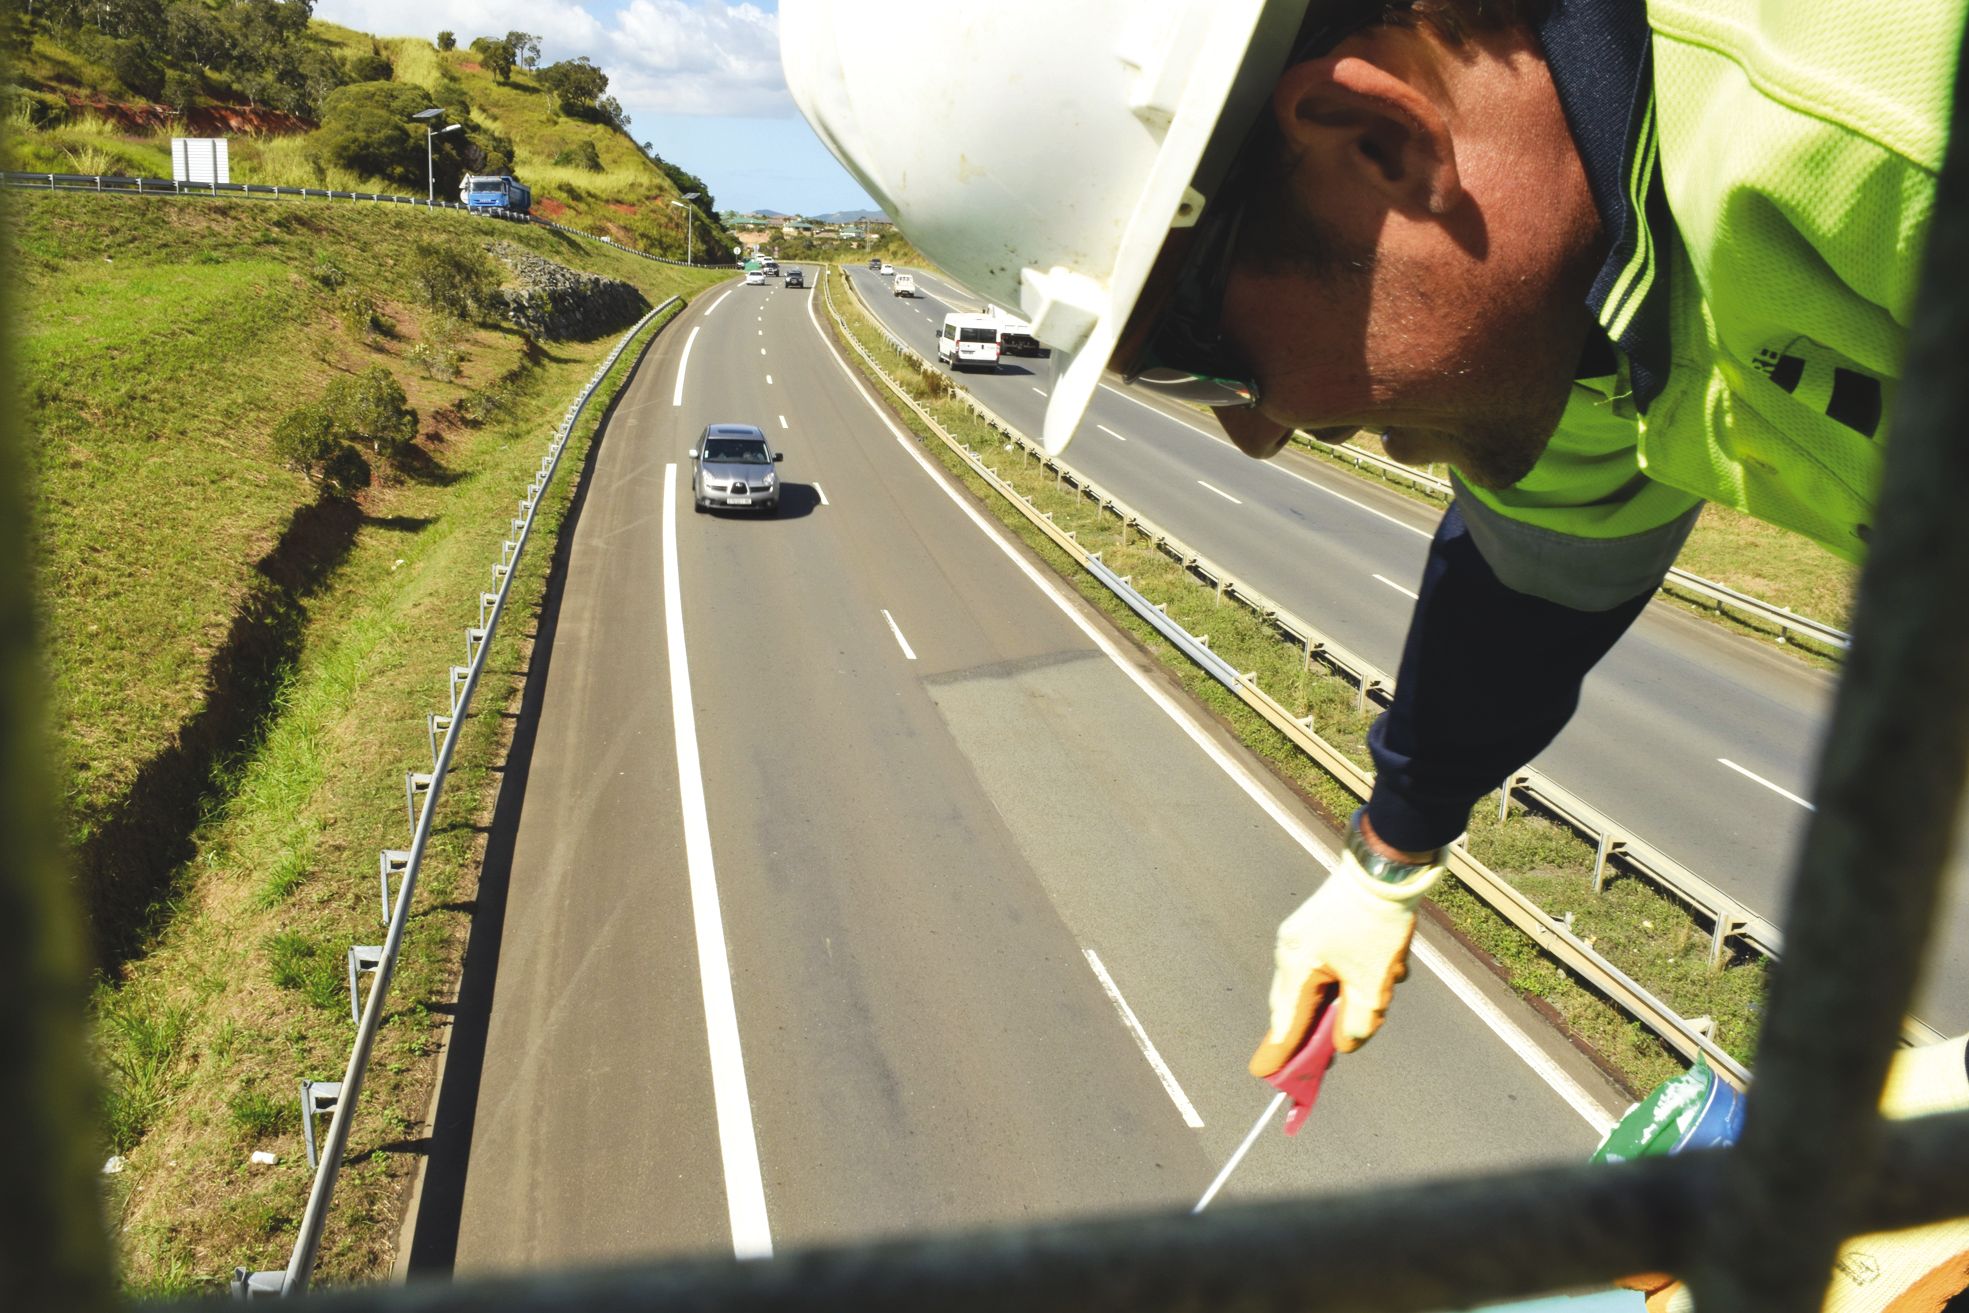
[1504, 795]
[258, 1285]
[486, 602]
[1607, 847]
[415, 783]
[474, 640]
[460, 677]
[436, 724]
[1727, 923]
[317, 1097]
[362, 958]
[393, 861]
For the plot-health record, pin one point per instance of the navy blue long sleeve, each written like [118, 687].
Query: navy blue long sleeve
[1489, 677]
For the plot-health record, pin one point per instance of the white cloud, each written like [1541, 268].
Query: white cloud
[678, 57]
[662, 56]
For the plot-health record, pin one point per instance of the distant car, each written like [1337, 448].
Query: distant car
[888, 271]
[794, 278]
[732, 466]
[755, 278]
[875, 264]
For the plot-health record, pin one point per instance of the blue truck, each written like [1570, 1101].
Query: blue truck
[496, 192]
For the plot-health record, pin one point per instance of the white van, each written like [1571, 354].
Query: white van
[904, 285]
[968, 340]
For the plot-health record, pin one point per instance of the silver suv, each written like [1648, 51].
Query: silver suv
[732, 465]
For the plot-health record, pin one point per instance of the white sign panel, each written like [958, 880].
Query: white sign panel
[200, 159]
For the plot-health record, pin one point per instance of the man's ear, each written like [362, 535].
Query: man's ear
[1369, 126]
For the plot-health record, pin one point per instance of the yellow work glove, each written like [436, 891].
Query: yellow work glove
[1353, 935]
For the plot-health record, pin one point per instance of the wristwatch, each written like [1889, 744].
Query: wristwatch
[1377, 866]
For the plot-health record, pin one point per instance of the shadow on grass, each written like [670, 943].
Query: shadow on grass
[125, 865]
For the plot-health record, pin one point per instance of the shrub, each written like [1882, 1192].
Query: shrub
[345, 472]
[370, 67]
[458, 280]
[329, 272]
[181, 90]
[304, 438]
[370, 407]
[447, 40]
[361, 317]
[582, 155]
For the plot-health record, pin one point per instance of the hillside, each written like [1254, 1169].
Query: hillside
[81, 102]
[241, 649]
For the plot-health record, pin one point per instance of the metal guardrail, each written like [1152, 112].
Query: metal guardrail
[1551, 933]
[1781, 619]
[337, 1099]
[130, 185]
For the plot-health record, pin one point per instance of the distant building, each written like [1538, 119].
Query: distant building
[798, 228]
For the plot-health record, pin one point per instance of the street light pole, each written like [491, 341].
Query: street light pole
[690, 229]
[430, 154]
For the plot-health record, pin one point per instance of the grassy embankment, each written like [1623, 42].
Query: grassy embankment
[240, 673]
[627, 199]
[1647, 935]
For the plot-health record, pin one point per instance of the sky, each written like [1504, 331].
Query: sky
[700, 80]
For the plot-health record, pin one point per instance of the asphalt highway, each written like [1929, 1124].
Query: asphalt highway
[856, 880]
[1700, 741]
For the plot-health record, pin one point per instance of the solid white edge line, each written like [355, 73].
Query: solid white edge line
[1220, 492]
[745, 1189]
[821, 493]
[1110, 432]
[1780, 791]
[1398, 588]
[896, 629]
[1250, 1138]
[710, 309]
[684, 363]
[1576, 1095]
[1191, 1118]
[1054, 588]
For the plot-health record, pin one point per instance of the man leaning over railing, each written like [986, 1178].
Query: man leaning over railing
[1606, 259]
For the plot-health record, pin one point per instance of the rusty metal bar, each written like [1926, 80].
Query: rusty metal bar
[1890, 780]
[1419, 1247]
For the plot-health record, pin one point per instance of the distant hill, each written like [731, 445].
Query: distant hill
[848, 216]
[86, 102]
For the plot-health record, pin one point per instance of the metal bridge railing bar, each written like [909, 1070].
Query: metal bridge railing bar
[337, 1099]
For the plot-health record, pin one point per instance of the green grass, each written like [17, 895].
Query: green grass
[1646, 934]
[159, 341]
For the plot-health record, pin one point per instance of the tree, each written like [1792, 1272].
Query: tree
[366, 128]
[459, 280]
[308, 439]
[610, 110]
[447, 40]
[576, 84]
[495, 55]
[371, 407]
[525, 47]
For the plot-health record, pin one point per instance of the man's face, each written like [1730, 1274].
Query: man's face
[1443, 309]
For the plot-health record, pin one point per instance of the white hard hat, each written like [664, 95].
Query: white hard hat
[1041, 159]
